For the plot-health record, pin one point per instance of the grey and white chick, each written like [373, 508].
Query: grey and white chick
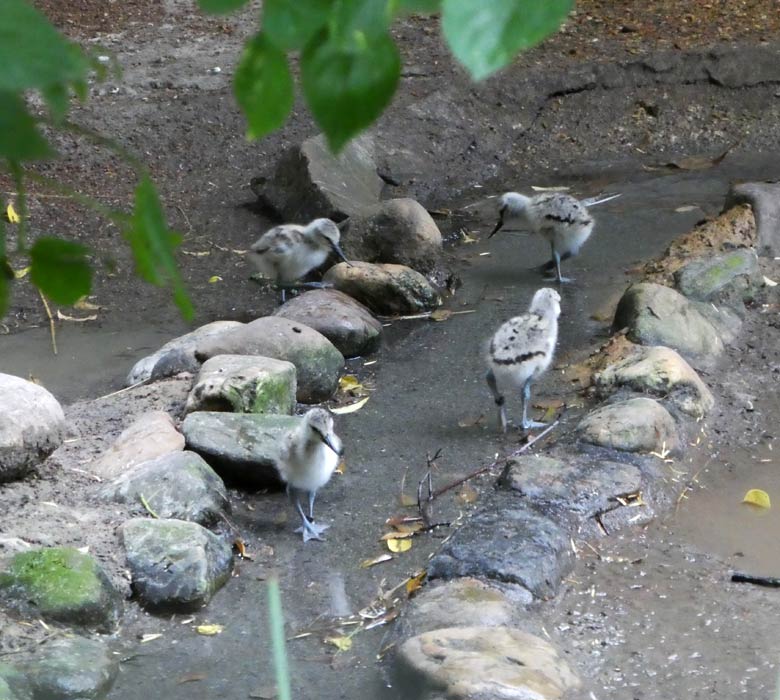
[309, 457]
[521, 351]
[559, 218]
[289, 252]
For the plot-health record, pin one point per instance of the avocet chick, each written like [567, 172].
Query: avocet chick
[522, 350]
[308, 460]
[560, 218]
[289, 252]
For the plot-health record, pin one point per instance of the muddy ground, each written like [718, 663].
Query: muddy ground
[624, 90]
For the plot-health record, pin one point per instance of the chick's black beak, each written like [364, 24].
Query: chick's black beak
[340, 253]
[498, 225]
[327, 440]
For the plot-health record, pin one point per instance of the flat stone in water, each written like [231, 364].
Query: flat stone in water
[63, 585]
[484, 663]
[244, 384]
[508, 542]
[636, 425]
[152, 435]
[32, 426]
[175, 564]
[179, 485]
[243, 448]
[345, 322]
[73, 668]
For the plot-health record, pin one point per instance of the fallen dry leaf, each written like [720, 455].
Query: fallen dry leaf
[415, 582]
[64, 317]
[341, 643]
[398, 535]
[407, 501]
[471, 421]
[149, 638]
[84, 304]
[214, 278]
[440, 315]
[11, 216]
[209, 630]
[757, 497]
[398, 545]
[351, 408]
[368, 563]
[192, 678]
[349, 382]
[341, 468]
[467, 494]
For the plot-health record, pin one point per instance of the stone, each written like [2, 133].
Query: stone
[484, 663]
[244, 384]
[463, 602]
[658, 315]
[61, 584]
[175, 564]
[635, 425]
[731, 278]
[178, 485]
[243, 448]
[14, 684]
[575, 486]
[661, 372]
[317, 361]
[73, 668]
[764, 199]
[510, 543]
[32, 426]
[388, 290]
[177, 355]
[398, 231]
[343, 321]
[310, 182]
[152, 435]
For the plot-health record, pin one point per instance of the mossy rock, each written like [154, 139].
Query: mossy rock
[14, 684]
[61, 584]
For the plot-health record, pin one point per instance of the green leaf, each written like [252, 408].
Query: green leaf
[348, 87]
[486, 36]
[6, 273]
[60, 269]
[263, 86]
[291, 23]
[418, 6]
[355, 21]
[153, 245]
[33, 54]
[58, 101]
[20, 139]
[220, 6]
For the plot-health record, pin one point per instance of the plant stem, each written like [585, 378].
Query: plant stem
[276, 622]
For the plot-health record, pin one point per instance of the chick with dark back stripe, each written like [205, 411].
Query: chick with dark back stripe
[289, 252]
[560, 218]
[521, 351]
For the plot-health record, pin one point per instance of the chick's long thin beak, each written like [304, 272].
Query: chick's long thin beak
[326, 439]
[498, 225]
[340, 253]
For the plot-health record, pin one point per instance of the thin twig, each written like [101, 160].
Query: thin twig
[122, 391]
[52, 329]
[146, 505]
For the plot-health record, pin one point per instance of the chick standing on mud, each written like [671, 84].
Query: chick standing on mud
[289, 252]
[563, 221]
[308, 460]
[521, 351]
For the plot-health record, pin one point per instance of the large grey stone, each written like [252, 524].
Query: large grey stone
[507, 542]
[343, 321]
[661, 372]
[732, 278]
[177, 355]
[60, 584]
[178, 485]
[576, 486]
[310, 182]
[636, 425]
[73, 668]
[14, 684]
[385, 289]
[244, 384]
[398, 231]
[658, 315]
[764, 198]
[152, 435]
[175, 563]
[32, 426]
[483, 663]
[316, 360]
[244, 448]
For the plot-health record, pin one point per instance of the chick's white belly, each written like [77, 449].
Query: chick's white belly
[569, 239]
[510, 377]
[293, 267]
[313, 473]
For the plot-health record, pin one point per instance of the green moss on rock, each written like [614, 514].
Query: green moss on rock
[61, 584]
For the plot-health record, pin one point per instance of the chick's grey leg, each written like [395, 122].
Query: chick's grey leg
[319, 529]
[499, 399]
[556, 259]
[527, 424]
[309, 530]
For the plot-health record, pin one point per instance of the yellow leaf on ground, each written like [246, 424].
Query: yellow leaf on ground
[341, 643]
[349, 382]
[11, 215]
[757, 497]
[351, 408]
[214, 278]
[397, 535]
[440, 315]
[22, 272]
[209, 630]
[368, 563]
[341, 468]
[415, 582]
[399, 545]
[149, 638]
